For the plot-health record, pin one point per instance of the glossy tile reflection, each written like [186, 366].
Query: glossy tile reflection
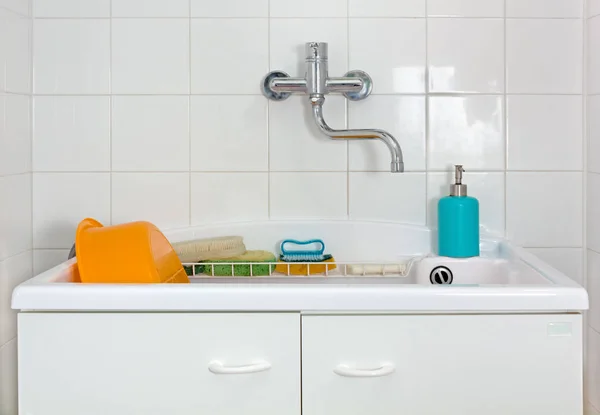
[466, 55]
[466, 130]
[392, 51]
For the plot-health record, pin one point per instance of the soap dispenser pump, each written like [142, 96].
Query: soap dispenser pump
[458, 221]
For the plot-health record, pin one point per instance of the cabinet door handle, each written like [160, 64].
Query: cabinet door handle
[349, 372]
[218, 368]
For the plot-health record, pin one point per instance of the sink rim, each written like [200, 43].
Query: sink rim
[49, 291]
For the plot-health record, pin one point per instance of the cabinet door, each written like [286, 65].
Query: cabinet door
[159, 364]
[451, 365]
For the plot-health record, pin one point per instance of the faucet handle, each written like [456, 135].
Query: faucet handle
[316, 51]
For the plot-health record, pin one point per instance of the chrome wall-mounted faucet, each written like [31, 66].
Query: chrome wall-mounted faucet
[355, 85]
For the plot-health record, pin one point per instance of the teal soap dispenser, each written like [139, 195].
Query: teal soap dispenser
[458, 221]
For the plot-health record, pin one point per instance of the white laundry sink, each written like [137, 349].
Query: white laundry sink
[504, 278]
[474, 331]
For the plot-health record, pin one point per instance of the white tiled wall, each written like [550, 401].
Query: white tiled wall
[152, 110]
[593, 203]
[15, 182]
[147, 109]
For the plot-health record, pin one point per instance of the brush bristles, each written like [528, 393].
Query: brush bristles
[302, 257]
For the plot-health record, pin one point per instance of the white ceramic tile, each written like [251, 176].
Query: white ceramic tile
[8, 378]
[229, 197]
[386, 8]
[239, 61]
[569, 261]
[309, 196]
[232, 140]
[545, 132]
[15, 215]
[392, 51]
[71, 56]
[465, 8]
[401, 116]
[466, 130]
[388, 197]
[13, 271]
[594, 55]
[4, 16]
[309, 8]
[593, 8]
[73, 8]
[488, 188]
[593, 280]
[150, 133]
[544, 56]
[71, 133]
[593, 367]
[150, 56]
[544, 8]
[44, 259]
[17, 6]
[288, 36]
[593, 286]
[295, 142]
[466, 55]
[544, 210]
[62, 200]
[593, 206]
[593, 120]
[17, 53]
[151, 8]
[15, 142]
[588, 409]
[230, 8]
[160, 198]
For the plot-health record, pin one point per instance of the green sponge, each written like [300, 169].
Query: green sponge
[189, 269]
[242, 270]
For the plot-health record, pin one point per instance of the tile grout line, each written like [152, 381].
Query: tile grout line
[434, 171]
[190, 159]
[268, 112]
[585, 142]
[110, 113]
[16, 13]
[17, 254]
[347, 109]
[505, 123]
[427, 117]
[31, 125]
[403, 94]
[300, 18]
[2, 346]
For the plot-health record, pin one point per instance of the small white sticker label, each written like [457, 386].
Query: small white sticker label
[559, 329]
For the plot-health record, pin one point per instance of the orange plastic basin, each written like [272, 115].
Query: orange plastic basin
[135, 252]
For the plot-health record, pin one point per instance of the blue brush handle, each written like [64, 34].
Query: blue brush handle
[295, 242]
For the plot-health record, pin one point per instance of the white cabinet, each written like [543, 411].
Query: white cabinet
[249, 364]
[451, 365]
[159, 364]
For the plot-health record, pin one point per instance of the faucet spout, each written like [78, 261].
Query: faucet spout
[397, 164]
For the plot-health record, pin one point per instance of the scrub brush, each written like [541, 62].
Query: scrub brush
[299, 262]
[316, 255]
[210, 248]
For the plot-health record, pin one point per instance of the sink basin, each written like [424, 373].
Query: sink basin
[425, 271]
[504, 278]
